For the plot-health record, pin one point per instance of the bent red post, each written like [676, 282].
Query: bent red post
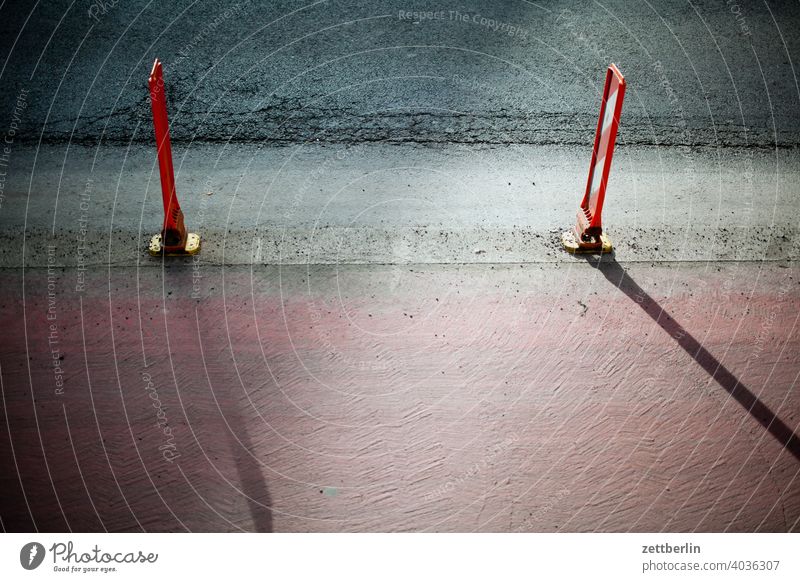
[173, 239]
[588, 235]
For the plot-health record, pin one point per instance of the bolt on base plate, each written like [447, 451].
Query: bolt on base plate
[192, 246]
[570, 242]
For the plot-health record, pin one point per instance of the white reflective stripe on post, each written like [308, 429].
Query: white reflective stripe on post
[608, 119]
[611, 105]
[597, 174]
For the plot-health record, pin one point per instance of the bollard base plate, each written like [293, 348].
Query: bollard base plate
[192, 247]
[571, 244]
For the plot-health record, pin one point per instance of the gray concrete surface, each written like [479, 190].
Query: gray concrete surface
[373, 203]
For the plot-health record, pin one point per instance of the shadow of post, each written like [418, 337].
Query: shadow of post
[615, 274]
[251, 479]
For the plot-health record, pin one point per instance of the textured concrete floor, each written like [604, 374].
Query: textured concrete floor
[400, 398]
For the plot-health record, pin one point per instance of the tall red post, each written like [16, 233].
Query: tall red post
[588, 235]
[173, 240]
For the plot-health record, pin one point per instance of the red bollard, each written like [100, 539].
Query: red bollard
[173, 239]
[588, 236]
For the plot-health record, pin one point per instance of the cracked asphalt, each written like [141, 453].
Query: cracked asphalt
[706, 73]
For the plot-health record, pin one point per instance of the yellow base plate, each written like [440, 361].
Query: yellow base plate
[192, 246]
[570, 242]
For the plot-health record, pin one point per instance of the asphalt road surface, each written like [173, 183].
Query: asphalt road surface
[706, 73]
[382, 331]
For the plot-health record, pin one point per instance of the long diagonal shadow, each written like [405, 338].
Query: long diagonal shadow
[750, 402]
